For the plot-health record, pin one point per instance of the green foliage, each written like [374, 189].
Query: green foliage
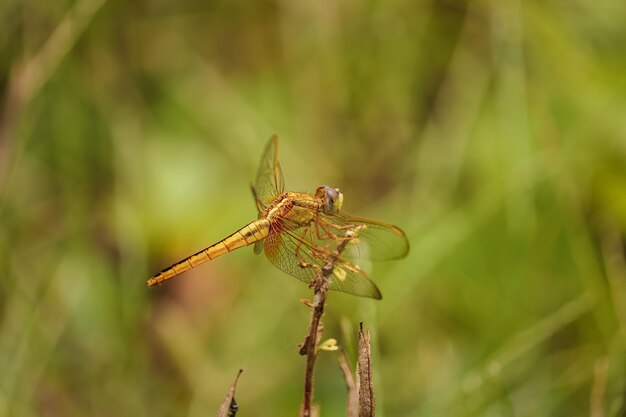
[493, 133]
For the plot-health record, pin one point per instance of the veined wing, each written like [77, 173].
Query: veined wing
[374, 240]
[291, 252]
[269, 180]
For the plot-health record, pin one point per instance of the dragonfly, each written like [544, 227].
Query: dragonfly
[300, 232]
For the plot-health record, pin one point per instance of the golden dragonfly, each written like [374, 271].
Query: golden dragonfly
[299, 232]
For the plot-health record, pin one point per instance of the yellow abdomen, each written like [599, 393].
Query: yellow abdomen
[245, 236]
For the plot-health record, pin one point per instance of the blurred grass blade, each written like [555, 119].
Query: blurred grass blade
[28, 77]
[528, 339]
[598, 388]
[229, 406]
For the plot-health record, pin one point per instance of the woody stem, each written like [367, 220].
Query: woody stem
[309, 347]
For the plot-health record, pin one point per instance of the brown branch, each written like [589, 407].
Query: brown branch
[309, 346]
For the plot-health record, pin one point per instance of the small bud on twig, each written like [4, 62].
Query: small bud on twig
[329, 345]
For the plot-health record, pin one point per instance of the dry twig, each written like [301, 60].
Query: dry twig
[229, 406]
[367, 401]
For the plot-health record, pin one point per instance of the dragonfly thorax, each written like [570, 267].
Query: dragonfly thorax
[298, 209]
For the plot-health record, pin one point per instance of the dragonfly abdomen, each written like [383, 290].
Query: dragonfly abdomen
[245, 236]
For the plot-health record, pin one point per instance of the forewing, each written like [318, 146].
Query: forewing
[269, 180]
[293, 253]
[373, 240]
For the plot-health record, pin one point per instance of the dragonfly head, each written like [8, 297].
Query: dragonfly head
[332, 197]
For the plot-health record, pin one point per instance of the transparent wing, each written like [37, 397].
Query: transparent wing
[290, 252]
[269, 180]
[374, 240]
[259, 205]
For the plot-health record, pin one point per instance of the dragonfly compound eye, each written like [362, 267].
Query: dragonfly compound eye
[334, 198]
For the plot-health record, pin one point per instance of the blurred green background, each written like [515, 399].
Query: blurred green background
[492, 132]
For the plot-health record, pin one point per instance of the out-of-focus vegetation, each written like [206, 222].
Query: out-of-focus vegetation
[493, 132]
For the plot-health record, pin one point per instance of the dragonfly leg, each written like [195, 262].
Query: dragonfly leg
[302, 236]
[307, 265]
[302, 263]
[351, 230]
[318, 233]
[325, 225]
